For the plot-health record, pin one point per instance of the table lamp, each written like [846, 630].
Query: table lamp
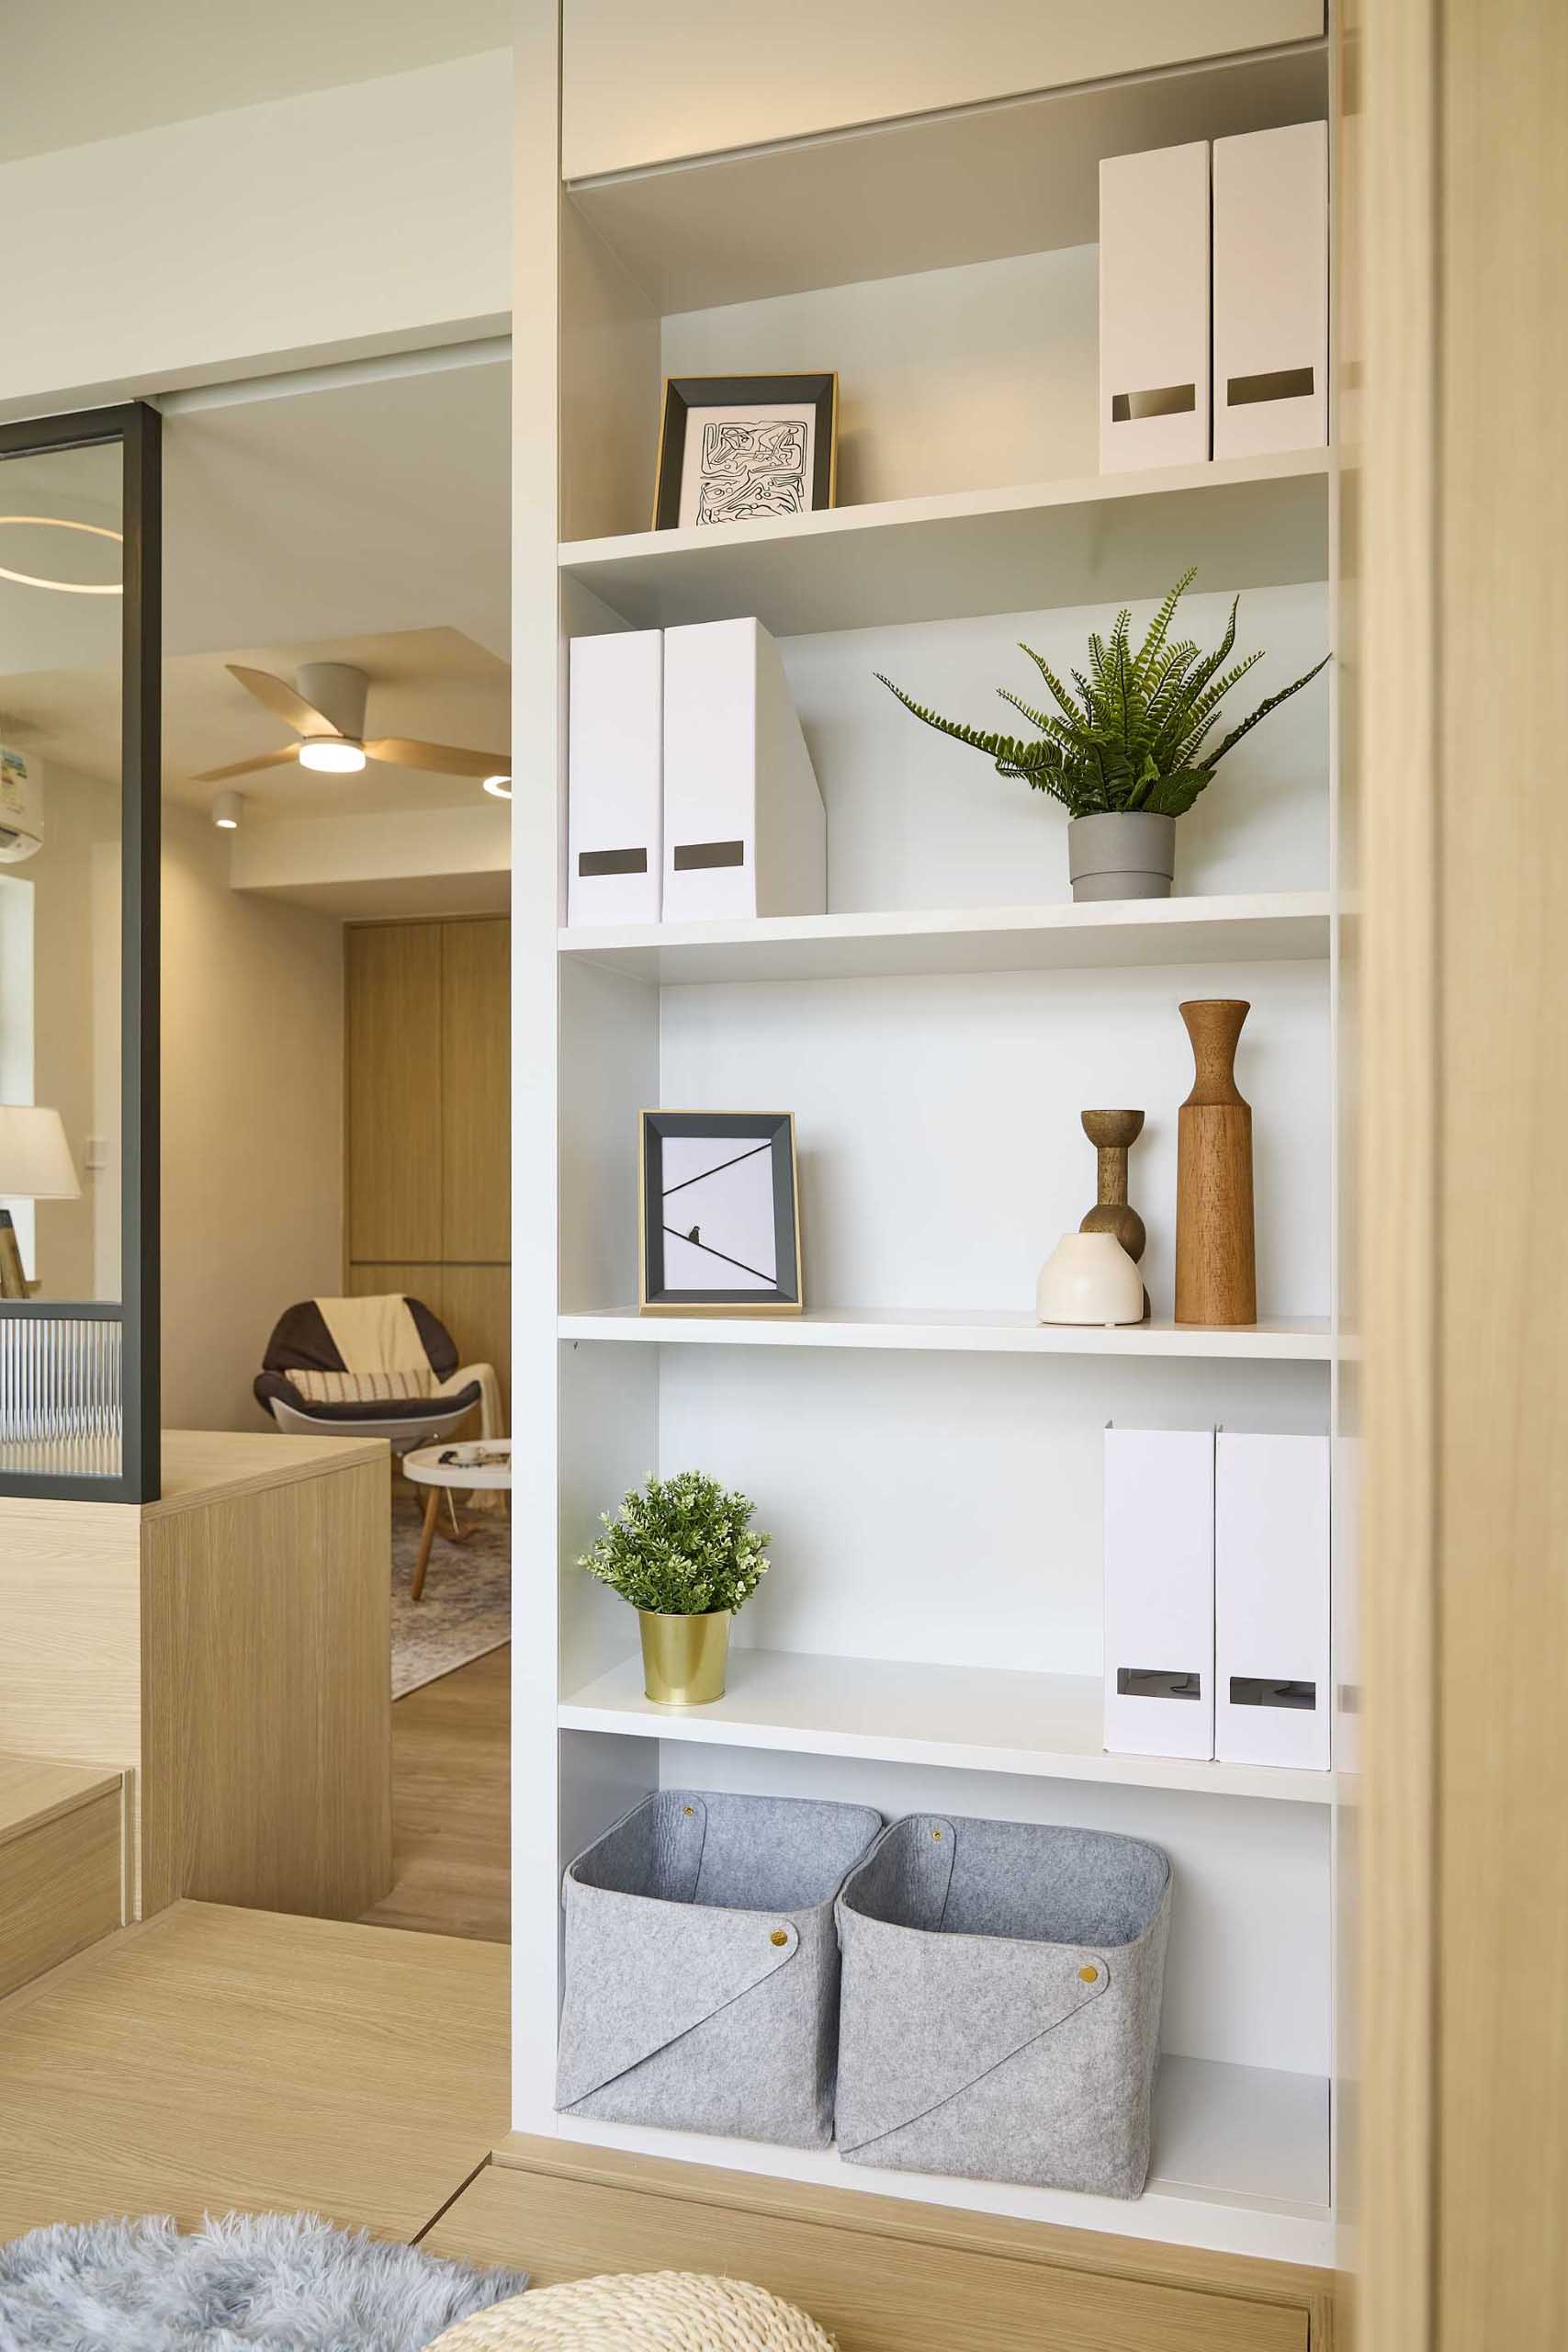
[34, 1165]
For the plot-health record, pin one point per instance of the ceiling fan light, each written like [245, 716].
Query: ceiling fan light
[499, 786]
[331, 755]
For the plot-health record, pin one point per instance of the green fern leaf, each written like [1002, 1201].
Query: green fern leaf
[1269, 702]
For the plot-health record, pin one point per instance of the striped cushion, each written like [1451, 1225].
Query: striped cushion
[360, 1387]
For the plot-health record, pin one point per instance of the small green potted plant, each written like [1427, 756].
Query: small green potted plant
[686, 1556]
[1124, 756]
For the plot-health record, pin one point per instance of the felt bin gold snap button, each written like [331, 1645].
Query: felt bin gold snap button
[1088, 1976]
[688, 1810]
[778, 1937]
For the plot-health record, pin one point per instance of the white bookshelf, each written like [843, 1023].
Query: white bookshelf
[1248, 521]
[926, 1457]
[1003, 1331]
[968, 1719]
[1287, 926]
[1248, 2144]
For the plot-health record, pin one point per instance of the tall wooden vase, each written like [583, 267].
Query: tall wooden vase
[1216, 1276]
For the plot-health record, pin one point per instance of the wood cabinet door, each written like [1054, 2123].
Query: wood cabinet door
[476, 1123]
[393, 1098]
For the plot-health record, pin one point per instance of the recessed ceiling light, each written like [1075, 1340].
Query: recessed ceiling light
[499, 786]
[331, 755]
[65, 587]
[226, 808]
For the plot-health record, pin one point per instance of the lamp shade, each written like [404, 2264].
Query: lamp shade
[35, 1158]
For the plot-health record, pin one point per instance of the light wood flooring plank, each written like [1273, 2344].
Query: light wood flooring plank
[225, 2059]
[451, 1855]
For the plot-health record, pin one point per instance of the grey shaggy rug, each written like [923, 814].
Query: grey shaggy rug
[284, 2282]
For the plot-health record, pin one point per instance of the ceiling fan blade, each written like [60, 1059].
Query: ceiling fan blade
[280, 697]
[247, 767]
[442, 759]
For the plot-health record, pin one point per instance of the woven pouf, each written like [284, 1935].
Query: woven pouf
[654, 2311]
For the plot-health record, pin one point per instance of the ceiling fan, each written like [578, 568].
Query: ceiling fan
[327, 713]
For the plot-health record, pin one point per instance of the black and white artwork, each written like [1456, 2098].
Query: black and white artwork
[740, 467]
[745, 450]
[720, 1227]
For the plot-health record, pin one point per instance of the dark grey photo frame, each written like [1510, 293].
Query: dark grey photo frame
[682, 393]
[776, 1130]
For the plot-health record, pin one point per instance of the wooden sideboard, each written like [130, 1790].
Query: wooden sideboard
[228, 1647]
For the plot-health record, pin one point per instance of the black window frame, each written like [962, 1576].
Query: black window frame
[137, 430]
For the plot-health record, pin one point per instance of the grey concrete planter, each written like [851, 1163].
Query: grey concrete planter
[702, 1966]
[999, 2017]
[1121, 856]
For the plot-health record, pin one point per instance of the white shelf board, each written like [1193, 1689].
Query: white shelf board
[1273, 927]
[1047, 1727]
[998, 1331]
[1239, 2162]
[1243, 522]
[928, 192]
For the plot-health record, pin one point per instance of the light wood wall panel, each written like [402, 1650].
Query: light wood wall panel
[476, 1090]
[1501, 2279]
[429, 1027]
[71, 1632]
[269, 1758]
[1465, 842]
[392, 1024]
[644, 85]
[478, 1310]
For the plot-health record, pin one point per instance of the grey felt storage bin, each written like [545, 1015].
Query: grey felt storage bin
[702, 1966]
[1000, 2015]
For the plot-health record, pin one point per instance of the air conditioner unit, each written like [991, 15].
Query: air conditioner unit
[21, 805]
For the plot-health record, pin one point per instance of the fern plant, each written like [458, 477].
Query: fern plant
[681, 1547]
[1130, 738]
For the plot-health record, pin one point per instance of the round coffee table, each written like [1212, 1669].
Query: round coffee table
[448, 1466]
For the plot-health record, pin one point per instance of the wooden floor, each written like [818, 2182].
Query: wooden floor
[216, 2059]
[451, 1762]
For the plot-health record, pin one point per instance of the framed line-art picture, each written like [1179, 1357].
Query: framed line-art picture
[736, 448]
[719, 1213]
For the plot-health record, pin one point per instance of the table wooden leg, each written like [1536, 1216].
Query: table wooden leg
[426, 1537]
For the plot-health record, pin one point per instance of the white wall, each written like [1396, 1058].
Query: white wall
[253, 1125]
[372, 217]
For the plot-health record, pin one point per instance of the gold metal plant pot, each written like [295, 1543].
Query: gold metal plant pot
[683, 1657]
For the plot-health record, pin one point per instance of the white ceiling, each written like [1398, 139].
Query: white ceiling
[75, 71]
[435, 683]
[365, 523]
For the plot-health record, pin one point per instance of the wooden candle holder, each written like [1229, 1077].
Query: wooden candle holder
[1113, 1134]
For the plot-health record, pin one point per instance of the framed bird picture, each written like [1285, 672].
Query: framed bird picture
[720, 1214]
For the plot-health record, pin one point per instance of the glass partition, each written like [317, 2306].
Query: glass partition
[79, 791]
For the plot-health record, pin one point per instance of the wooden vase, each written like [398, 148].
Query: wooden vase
[1113, 1134]
[1216, 1275]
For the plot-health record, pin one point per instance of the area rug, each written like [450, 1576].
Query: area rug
[466, 1608]
[284, 2282]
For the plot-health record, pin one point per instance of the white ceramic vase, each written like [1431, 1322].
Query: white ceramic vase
[1089, 1278]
